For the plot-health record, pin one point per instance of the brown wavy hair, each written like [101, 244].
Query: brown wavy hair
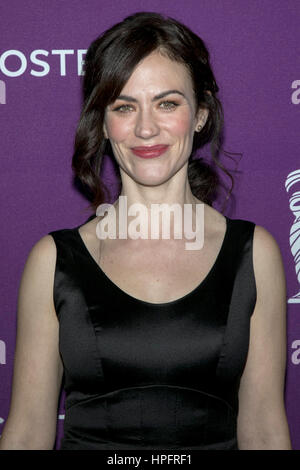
[109, 63]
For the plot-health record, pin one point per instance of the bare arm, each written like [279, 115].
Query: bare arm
[38, 369]
[262, 422]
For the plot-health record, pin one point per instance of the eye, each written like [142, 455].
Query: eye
[169, 105]
[124, 108]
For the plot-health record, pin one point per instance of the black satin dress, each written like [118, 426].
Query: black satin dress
[139, 375]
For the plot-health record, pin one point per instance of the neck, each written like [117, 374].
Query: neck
[150, 208]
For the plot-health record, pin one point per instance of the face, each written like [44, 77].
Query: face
[140, 118]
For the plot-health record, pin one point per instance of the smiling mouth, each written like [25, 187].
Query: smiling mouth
[150, 152]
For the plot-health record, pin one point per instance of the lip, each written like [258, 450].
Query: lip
[150, 152]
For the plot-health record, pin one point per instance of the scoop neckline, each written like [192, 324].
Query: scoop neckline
[161, 304]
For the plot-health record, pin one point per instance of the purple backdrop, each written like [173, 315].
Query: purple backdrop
[255, 51]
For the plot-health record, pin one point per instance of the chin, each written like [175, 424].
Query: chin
[152, 178]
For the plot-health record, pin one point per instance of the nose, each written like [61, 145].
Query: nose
[146, 124]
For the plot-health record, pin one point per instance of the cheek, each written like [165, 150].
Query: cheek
[179, 124]
[118, 129]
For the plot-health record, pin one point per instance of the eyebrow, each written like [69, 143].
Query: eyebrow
[157, 97]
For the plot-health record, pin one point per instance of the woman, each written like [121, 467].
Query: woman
[162, 347]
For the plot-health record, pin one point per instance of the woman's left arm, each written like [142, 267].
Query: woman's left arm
[262, 421]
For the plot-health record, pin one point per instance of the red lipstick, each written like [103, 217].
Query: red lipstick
[150, 152]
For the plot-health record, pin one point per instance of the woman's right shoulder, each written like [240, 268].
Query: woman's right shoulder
[42, 254]
[45, 245]
[44, 250]
[36, 284]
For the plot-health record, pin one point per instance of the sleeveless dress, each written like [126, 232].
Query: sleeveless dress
[139, 375]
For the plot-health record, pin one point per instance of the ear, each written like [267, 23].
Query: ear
[201, 118]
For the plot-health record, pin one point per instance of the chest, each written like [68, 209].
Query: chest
[156, 271]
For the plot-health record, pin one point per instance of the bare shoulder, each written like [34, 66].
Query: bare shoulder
[44, 245]
[264, 240]
[38, 272]
[43, 251]
[266, 253]
[268, 268]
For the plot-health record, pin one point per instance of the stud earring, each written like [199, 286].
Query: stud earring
[199, 128]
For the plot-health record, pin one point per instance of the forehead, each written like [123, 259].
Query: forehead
[158, 72]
